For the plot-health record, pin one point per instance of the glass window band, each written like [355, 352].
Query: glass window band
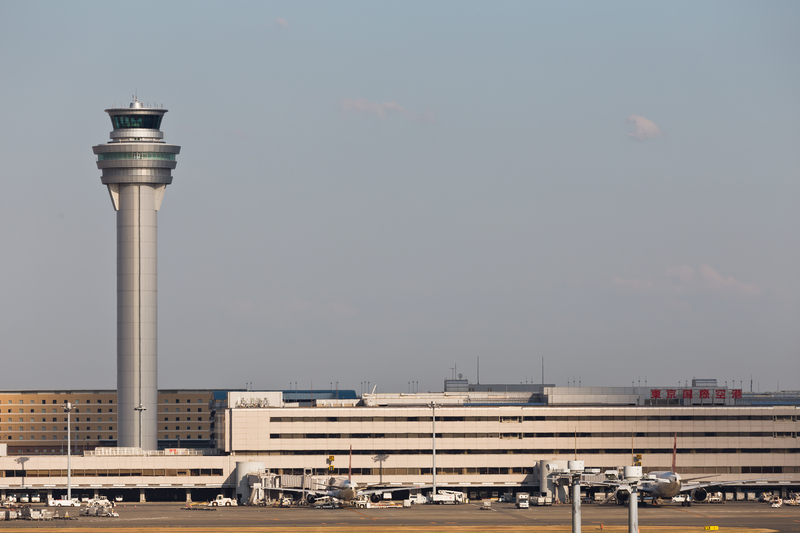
[113, 156]
[150, 122]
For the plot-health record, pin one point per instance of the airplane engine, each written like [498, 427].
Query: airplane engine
[699, 495]
[375, 498]
[623, 497]
[310, 499]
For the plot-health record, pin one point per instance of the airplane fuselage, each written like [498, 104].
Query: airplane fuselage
[345, 490]
[661, 484]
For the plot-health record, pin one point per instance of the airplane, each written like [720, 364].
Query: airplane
[660, 485]
[346, 490]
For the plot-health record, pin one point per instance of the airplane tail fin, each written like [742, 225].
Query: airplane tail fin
[350, 467]
[674, 452]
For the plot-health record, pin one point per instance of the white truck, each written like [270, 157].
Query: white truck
[222, 501]
[100, 501]
[418, 498]
[63, 502]
[448, 497]
[523, 500]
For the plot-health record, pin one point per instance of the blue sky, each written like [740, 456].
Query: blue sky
[381, 191]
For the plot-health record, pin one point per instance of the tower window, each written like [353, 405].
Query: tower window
[149, 122]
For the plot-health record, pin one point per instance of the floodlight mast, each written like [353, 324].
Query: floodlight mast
[68, 409]
[433, 409]
[139, 409]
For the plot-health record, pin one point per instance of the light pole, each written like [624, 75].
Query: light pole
[433, 408]
[68, 409]
[632, 475]
[575, 470]
[140, 409]
[571, 476]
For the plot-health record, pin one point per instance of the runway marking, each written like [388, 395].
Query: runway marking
[692, 512]
[362, 514]
[108, 519]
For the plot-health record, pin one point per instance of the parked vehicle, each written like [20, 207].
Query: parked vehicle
[221, 501]
[63, 502]
[418, 498]
[35, 498]
[100, 501]
[523, 500]
[448, 497]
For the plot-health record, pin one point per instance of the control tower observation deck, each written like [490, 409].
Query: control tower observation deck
[137, 167]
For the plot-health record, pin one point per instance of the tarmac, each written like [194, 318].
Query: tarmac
[742, 517]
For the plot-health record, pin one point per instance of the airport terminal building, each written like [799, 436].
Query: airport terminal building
[487, 439]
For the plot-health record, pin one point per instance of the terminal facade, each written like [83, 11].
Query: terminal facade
[33, 422]
[487, 440]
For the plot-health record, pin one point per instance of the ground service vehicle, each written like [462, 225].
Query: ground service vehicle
[221, 501]
[447, 497]
[63, 502]
[523, 500]
[418, 498]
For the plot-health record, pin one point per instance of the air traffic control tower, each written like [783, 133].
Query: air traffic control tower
[137, 167]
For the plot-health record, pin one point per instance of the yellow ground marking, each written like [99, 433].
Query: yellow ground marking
[362, 514]
[390, 529]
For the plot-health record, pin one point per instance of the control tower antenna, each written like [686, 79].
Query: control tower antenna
[136, 167]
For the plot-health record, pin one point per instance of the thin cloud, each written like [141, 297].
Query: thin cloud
[283, 23]
[362, 105]
[643, 129]
[683, 280]
[712, 280]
